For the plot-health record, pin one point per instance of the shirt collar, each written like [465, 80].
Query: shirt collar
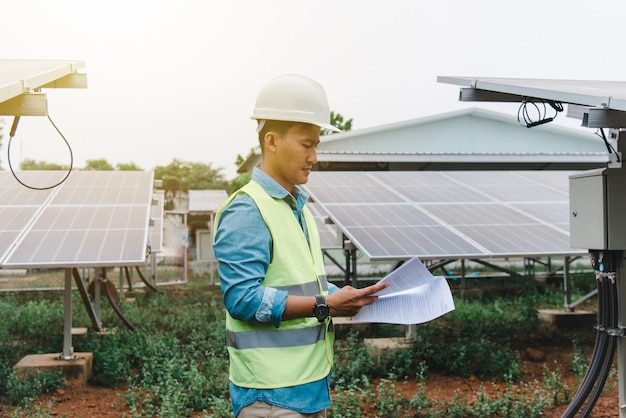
[274, 189]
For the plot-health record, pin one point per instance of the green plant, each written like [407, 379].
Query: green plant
[171, 382]
[353, 360]
[579, 363]
[390, 403]
[350, 396]
[400, 363]
[25, 389]
[554, 388]
[32, 410]
[177, 363]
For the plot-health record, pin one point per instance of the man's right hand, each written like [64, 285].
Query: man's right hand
[348, 301]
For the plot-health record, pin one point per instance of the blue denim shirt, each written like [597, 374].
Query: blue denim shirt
[243, 246]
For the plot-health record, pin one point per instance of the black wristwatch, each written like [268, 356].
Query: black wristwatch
[321, 309]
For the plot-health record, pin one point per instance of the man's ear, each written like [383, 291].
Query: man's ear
[270, 141]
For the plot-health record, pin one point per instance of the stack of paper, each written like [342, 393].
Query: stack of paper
[413, 296]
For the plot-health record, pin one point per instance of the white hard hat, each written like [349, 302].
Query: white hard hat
[293, 98]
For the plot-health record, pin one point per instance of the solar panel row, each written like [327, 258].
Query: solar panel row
[452, 214]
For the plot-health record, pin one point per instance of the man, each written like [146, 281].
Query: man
[278, 301]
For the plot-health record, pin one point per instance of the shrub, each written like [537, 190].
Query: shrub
[24, 389]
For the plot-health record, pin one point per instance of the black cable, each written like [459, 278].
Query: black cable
[114, 305]
[608, 358]
[608, 145]
[542, 113]
[600, 350]
[12, 135]
[612, 323]
[143, 279]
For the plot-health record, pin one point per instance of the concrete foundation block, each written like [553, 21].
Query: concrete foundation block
[76, 368]
[382, 345]
[565, 319]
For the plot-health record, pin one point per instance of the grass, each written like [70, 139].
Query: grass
[176, 364]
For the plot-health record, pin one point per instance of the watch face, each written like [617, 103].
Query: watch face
[321, 312]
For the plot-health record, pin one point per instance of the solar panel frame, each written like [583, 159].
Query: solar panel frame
[157, 211]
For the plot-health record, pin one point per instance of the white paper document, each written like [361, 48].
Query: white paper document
[413, 296]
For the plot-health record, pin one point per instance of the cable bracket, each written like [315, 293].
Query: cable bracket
[612, 332]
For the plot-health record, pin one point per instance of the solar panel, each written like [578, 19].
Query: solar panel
[451, 214]
[329, 238]
[93, 219]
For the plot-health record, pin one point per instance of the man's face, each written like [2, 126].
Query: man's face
[293, 155]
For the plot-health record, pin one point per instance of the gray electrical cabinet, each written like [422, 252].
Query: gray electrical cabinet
[598, 209]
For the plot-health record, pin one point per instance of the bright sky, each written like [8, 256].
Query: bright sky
[178, 79]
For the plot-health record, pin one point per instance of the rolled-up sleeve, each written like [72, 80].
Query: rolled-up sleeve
[242, 247]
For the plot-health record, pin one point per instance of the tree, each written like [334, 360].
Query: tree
[337, 120]
[99, 164]
[184, 175]
[29, 164]
[238, 182]
[131, 166]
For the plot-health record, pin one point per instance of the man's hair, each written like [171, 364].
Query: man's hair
[279, 126]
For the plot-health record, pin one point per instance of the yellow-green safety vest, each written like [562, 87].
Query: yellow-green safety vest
[300, 350]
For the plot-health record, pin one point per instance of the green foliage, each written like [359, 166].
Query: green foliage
[185, 175]
[99, 164]
[478, 338]
[114, 356]
[130, 166]
[37, 324]
[95, 164]
[554, 388]
[478, 356]
[390, 403]
[177, 363]
[29, 164]
[241, 159]
[579, 363]
[238, 182]
[354, 361]
[24, 389]
[337, 120]
[350, 397]
[511, 404]
[171, 381]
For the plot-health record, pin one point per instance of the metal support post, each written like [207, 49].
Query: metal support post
[68, 350]
[153, 269]
[349, 249]
[411, 333]
[213, 264]
[463, 283]
[354, 278]
[566, 286]
[97, 294]
[185, 250]
[121, 282]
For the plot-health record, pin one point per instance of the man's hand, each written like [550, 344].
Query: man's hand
[348, 301]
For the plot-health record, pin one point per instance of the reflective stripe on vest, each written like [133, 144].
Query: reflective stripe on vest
[311, 288]
[300, 351]
[275, 338]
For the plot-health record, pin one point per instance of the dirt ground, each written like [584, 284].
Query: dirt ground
[86, 401]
